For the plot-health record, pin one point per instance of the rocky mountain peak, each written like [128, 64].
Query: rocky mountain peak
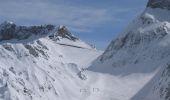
[163, 4]
[7, 23]
[63, 32]
[9, 30]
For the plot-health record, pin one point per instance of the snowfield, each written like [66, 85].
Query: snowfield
[42, 70]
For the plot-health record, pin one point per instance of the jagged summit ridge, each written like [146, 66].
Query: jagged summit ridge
[163, 4]
[63, 32]
[9, 30]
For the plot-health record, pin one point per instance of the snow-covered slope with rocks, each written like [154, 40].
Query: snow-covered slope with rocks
[137, 61]
[42, 63]
[49, 63]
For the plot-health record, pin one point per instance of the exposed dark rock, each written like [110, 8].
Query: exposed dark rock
[41, 52]
[11, 31]
[32, 51]
[8, 47]
[7, 31]
[63, 32]
[12, 70]
[163, 4]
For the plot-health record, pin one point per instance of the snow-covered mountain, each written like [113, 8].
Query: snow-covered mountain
[49, 63]
[138, 60]
[42, 63]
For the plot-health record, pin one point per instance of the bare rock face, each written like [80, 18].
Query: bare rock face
[163, 4]
[63, 32]
[9, 30]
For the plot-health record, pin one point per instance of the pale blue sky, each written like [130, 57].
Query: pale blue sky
[94, 21]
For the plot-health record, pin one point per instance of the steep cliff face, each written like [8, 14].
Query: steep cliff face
[149, 31]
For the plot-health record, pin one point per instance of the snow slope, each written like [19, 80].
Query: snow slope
[135, 66]
[42, 66]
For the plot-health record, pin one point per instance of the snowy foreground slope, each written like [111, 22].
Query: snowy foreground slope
[42, 63]
[136, 65]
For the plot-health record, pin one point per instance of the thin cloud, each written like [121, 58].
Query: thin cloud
[44, 12]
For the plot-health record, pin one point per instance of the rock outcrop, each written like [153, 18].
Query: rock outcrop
[163, 4]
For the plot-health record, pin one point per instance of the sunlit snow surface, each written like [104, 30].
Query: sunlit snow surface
[43, 69]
